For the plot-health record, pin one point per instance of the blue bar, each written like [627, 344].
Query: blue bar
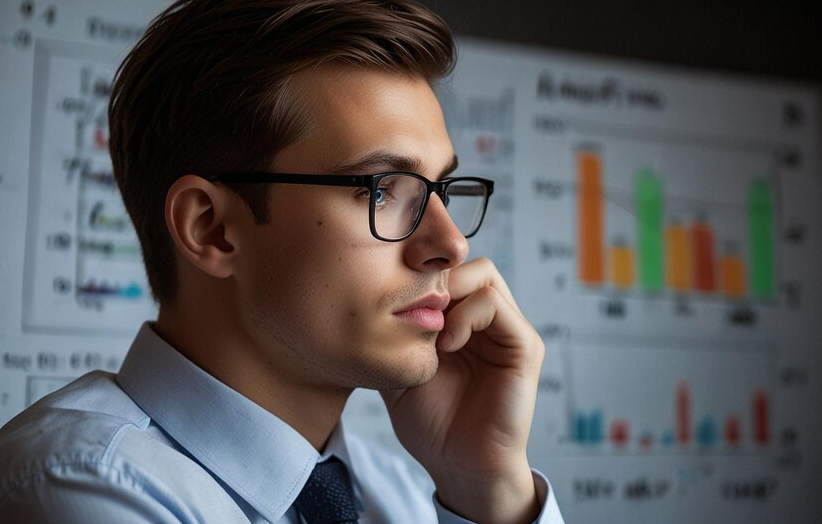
[706, 433]
[580, 428]
[595, 433]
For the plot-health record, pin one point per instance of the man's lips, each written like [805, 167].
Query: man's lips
[426, 312]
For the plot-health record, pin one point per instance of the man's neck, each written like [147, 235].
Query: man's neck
[312, 411]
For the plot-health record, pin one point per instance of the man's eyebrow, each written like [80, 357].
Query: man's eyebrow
[451, 167]
[381, 161]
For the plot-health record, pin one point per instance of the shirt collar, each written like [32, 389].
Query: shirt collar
[252, 451]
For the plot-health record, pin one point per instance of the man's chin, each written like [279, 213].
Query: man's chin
[409, 374]
[420, 380]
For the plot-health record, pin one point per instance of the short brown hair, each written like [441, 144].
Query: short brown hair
[206, 90]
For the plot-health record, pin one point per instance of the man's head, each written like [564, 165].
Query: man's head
[289, 276]
[210, 88]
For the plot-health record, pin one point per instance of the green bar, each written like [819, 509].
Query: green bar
[650, 233]
[760, 216]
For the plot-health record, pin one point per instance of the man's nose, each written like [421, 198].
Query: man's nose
[437, 242]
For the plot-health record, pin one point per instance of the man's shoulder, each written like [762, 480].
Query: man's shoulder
[81, 424]
[89, 449]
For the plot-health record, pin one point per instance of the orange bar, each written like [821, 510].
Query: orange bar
[732, 275]
[621, 260]
[590, 218]
[703, 241]
[678, 258]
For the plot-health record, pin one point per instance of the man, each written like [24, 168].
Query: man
[244, 136]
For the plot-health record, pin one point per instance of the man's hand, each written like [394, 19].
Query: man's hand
[469, 425]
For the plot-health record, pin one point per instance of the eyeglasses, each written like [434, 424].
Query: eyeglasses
[396, 200]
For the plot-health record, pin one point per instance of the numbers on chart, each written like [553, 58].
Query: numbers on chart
[32, 12]
[29, 10]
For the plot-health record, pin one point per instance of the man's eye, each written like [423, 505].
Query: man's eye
[380, 195]
[386, 194]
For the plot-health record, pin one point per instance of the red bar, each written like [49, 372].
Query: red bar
[100, 139]
[761, 431]
[703, 238]
[732, 431]
[683, 413]
[619, 432]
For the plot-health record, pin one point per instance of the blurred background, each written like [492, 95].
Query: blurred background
[657, 212]
[777, 39]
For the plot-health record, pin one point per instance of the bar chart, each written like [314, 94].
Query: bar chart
[708, 432]
[683, 245]
[678, 408]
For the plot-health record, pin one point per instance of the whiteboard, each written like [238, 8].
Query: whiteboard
[660, 227]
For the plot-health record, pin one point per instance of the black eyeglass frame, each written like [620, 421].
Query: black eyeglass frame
[370, 182]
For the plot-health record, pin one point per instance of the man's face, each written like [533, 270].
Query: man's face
[325, 302]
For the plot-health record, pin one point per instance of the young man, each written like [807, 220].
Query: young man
[285, 165]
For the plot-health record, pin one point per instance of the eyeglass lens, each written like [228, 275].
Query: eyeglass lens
[466, 204]
[398, 199]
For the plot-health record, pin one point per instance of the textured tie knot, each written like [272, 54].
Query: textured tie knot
[327, 497]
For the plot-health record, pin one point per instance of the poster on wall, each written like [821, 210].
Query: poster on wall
[661, 228]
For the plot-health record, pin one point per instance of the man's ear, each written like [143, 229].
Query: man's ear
[196, 214]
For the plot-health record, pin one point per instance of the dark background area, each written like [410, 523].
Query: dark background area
[777, 39]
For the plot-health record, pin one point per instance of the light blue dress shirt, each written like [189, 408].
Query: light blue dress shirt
[164, 442]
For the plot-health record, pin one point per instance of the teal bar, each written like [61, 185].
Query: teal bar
[595, 433]
[650, 230]
[760, 216]
[706, 433]
[580, 428]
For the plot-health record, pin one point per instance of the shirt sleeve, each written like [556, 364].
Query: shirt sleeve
[548, 515]
[87, 493]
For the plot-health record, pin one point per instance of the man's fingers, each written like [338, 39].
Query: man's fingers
[474, 275]
[485, 310]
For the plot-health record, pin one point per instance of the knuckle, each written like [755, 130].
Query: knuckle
[487, 265]
[490, 293]
[539, 344]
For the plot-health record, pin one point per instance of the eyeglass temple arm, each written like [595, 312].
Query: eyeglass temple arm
[479, 190]
[249, 177]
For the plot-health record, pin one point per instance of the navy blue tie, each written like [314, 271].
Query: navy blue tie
[327, 497]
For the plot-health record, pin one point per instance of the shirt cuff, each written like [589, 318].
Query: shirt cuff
[549, 514]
